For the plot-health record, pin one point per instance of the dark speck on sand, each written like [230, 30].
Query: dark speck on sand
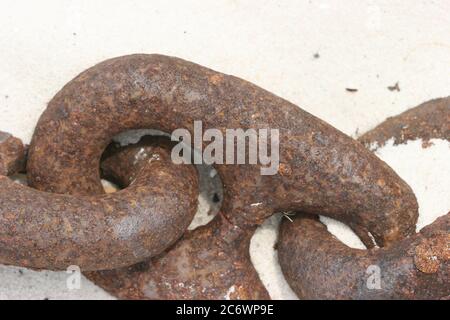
[395, 87]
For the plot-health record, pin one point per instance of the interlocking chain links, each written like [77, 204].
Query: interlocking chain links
[325, 171]
[53, 231]
[211, 262]
[318, 266]
[430, 120]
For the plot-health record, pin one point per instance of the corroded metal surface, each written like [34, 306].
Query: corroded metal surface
[51, 231]
[319, 266]
[322, 170]
[12, 154]
[211, 262]
[122, 165]
[430, 120]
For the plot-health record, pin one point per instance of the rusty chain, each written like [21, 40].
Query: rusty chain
[137, 236]
[417, 267]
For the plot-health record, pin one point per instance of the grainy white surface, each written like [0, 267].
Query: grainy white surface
[305, 51]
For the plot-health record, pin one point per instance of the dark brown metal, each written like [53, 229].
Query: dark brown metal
[430, 120]
[211, 262]
[319, 266]
[122, 165]
[322, 170]
[51, 231]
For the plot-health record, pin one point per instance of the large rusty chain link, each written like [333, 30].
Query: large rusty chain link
[417, 267]
[134, 242]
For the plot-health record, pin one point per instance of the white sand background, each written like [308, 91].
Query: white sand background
[305, 51]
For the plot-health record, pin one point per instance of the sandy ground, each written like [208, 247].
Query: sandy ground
[308, 52]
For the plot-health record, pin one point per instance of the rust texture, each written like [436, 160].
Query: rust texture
[12, 154]
[319, 266]
[430, 120]
[323, 170]
[122, 165]
[211, 262]
[54, 231]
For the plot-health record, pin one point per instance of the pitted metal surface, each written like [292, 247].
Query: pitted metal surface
[52, 231]
[430, 120]
[319, 266]
[166, 93]
[321, 171]
[210, 262]
[12, 154]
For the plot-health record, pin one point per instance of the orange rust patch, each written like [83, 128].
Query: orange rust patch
[284, 169]
[431, 252]
[215, 79]
[381, 182]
